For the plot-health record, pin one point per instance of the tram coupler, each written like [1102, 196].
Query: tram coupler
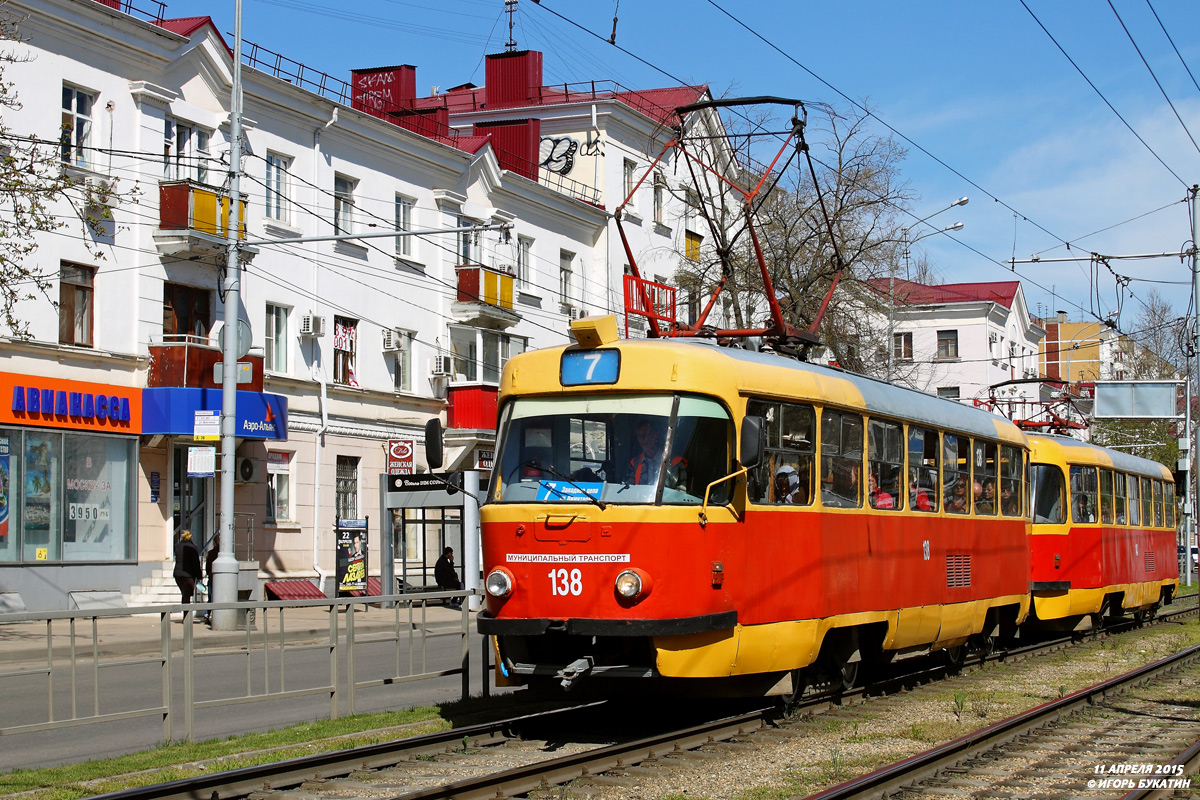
[574, 671]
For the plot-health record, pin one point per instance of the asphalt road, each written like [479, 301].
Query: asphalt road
[125, 684]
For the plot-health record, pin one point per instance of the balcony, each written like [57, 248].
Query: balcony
[472, 406]
[485, 298]
[194, 219]
[187, 361]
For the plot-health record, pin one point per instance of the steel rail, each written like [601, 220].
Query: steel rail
[923, 766]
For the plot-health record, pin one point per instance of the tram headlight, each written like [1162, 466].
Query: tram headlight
[499, 583]
[632, 584]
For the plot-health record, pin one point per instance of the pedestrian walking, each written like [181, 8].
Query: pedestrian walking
[187, 566]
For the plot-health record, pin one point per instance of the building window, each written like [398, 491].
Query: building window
[76, 131]
[660, 192]
[691, 245]
[948, 392]
[403, 377]
[566, 287]
[524, 267]
[343, 204]
[346, 491]
[278, 189]
[276, 339]
[404, 218]
[279, 486]
[481, 355]
[469, 243]
[902, 346]
[627, 178]
[344, 332]
[186, 311]
[947, 344]
[185, 152]
[75, 305]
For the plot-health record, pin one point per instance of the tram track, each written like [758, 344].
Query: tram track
[523, 754]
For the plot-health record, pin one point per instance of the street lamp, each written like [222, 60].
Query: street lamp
[891, 340]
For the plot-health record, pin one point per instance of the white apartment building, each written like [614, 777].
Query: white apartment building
[353, 344]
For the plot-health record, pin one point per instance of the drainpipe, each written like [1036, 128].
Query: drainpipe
[319, 370]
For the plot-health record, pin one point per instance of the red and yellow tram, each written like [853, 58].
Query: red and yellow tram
[679, 510]
[1103, 536]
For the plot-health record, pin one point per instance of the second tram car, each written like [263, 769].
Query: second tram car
[1103, 536]
[679, 510]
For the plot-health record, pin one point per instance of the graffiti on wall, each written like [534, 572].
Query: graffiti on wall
[557, 154]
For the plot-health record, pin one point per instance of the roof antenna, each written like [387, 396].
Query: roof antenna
[510, 8]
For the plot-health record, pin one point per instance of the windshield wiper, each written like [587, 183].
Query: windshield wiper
[553, 471]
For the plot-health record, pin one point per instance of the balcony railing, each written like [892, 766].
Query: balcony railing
[187, 361]
[189, 206]
[479, 284]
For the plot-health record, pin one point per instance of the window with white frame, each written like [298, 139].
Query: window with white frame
[481, 354]
[403, 375]
[470, 243]
[660, 195]
[404, 222]
[75, 304]
[276, 339]
[279, 486]
[524, 264]
[278, 188]
[185, 151]
[76, 131]
[566, 276]
[345, 497]
[902, 349]
[344, 332]
[628, 178]
[343, 204]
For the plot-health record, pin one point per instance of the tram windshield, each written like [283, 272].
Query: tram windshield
[614, 449]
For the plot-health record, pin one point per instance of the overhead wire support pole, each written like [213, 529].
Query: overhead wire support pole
[1194, 474]
[224, 579]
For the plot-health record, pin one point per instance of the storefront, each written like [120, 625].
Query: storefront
[68, 484]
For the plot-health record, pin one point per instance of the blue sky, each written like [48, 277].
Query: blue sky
[979, 85]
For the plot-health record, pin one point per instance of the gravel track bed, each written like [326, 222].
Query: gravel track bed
[855, 740]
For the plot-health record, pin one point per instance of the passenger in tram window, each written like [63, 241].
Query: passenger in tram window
[919, 495]
[1083, 509]
[956, 499]
[986, 504]
[1010, 503]
[787, 486]
[878, 497]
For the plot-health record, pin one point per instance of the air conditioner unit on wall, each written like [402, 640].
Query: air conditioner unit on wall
[442, 365]
[312, 325]
[392, 340]
[576, 313]
[247, 470]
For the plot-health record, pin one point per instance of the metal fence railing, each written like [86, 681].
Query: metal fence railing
[245, 666]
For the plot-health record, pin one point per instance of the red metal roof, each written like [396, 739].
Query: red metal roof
[657, 104]
[918, 294]
[297, 589]
[186, 26]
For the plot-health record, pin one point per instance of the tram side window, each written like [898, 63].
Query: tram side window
[956, 466]
[1120, 481]
[841, 459]
[1012, 466]
[1106, 496]
[1158, 504]
[985, 477]
[1135, 506]
[1169, 502]
[922, 469]
[885, 465]
[1147, 503]
[1083, 494]
[1047, 484]
[785, 475]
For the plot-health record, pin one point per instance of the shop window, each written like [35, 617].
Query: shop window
[344, 334]
[41, 496]
[10, 483]
[75, 304]
[76, 131]
[98, 513]
[346, 491]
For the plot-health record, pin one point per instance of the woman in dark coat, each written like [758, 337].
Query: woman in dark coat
[187, 565]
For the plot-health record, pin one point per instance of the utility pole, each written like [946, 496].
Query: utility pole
[1194, 462]
[225, 568]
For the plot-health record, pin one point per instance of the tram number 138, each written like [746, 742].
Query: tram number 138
[564, 583]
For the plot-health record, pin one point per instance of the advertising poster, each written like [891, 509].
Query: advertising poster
[351, 555]
[4, 491]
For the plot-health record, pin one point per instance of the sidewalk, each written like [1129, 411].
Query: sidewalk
[140, 635]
